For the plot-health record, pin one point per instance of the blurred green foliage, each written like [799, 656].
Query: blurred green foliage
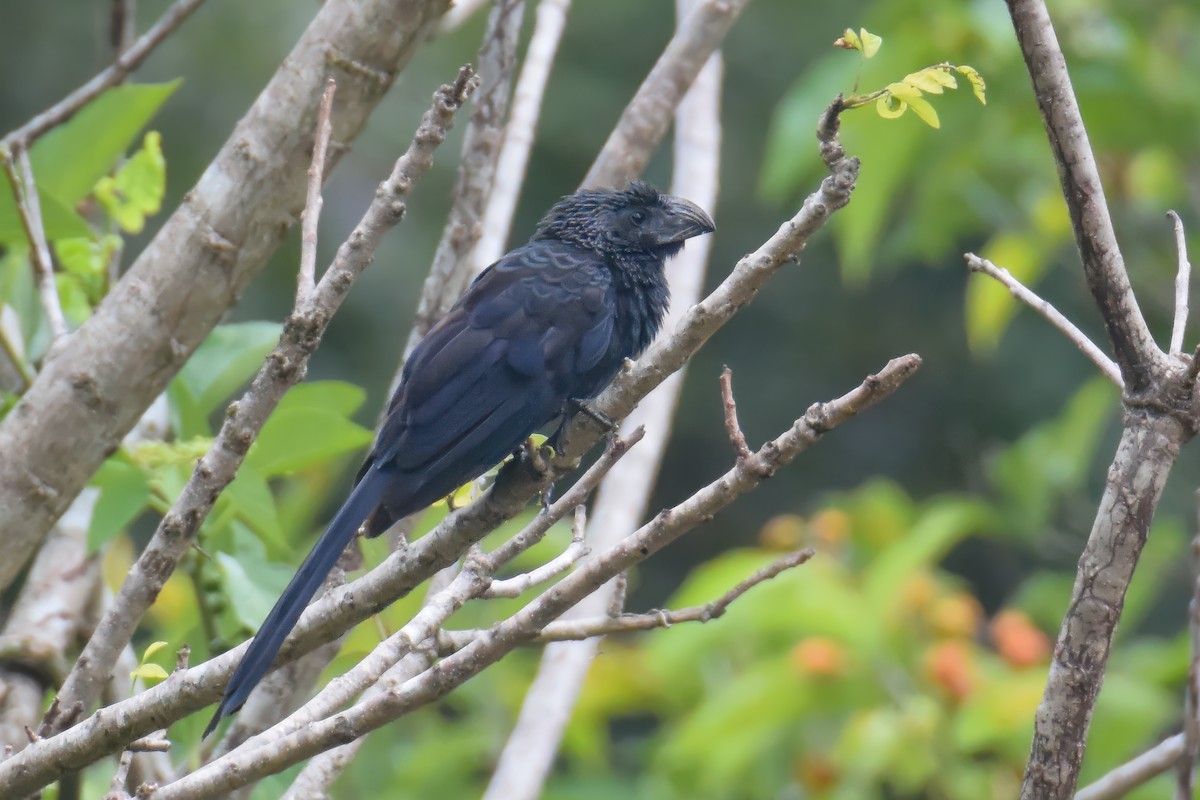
[905, 660]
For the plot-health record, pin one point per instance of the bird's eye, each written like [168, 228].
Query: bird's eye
[638, 216]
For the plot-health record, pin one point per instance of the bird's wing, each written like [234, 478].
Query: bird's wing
[500, 365]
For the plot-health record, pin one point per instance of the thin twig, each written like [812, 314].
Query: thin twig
[1119, 782]
[236, 769]
[1052, 315]
[590, 627]
[20, 172]
[116, 788]
[519, 584]
[306, 281]
[1182, 279]
[127, 62]
[737, 439]
[519, 133]
[282, 369]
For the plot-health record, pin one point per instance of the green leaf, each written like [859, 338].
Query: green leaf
[249, 499]
[136, 191]
[149, 672]
[228, 358]
[340, 397]
[58, 219]
[69, 160]
[251, 582]
[299, 435]
[922, 108]
[124, 494]
[870, 42]
[151, 650]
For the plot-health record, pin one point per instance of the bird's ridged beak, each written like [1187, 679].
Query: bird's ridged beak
[685, 221]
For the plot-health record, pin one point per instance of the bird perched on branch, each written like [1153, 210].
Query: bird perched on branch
[549, 323]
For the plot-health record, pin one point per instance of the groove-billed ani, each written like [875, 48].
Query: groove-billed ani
[549, 323]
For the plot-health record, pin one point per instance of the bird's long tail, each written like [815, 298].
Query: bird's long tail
[279, 623]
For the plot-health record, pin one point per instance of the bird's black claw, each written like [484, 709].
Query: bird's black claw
[601, 419]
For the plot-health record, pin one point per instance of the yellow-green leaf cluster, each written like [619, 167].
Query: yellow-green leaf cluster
[896, 98]
[136, 191]
[909, 92]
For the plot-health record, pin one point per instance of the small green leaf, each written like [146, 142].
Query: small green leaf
[224, 361]
[849, 40]
[251, 582]
[924, 110]
[977, 84]
[890, 107]
[149, 672]
[58, 219]
[295, 438]
[151, 650]
[870, 42]
[136, 191]
[124, 494]
[69, 160]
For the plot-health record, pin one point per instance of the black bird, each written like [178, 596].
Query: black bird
[549, 323]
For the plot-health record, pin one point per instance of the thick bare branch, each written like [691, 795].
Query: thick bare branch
[205, 254]
[1051, 314]
[126, 62]
[1103, 264]
[1147, 450]
[283, 368]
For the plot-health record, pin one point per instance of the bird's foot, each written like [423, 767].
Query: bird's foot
[603, 420]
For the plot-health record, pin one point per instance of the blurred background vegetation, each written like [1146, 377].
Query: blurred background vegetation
[907, 658]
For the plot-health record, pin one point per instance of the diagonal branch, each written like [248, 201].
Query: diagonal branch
[1103, 264]
[1051, 314]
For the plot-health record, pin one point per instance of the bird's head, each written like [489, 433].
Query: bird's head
[637, 220]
